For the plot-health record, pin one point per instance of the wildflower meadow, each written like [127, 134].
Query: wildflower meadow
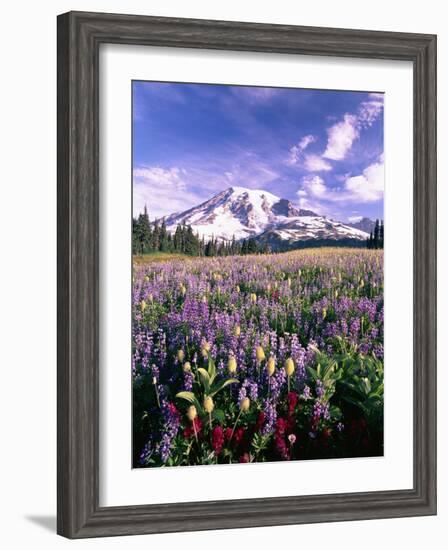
[258, 358]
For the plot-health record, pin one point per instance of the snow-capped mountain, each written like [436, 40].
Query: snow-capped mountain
[310, 229]
[243, 213]
[365, 224]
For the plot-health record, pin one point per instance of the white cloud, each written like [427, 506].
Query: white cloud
[311, 162]
[162, 190]
[166, 190]
[296, 151]
[315, 163]
[161, 176]
[354, 219]
[305, 141]
[342, 134]
[294, 155]
[314, 186]
[341, 137]
[369, 111]
[363, 188]
[369, 186]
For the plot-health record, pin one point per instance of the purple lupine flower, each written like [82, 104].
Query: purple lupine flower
[271, 417]
[320, 390]
[188, 381]
[146, 453]
[320, 410]
[171, 422]
[306, 393]
[277, 322]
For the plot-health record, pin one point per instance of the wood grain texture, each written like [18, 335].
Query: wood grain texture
[79, 37]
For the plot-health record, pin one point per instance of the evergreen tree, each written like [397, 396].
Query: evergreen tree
[143, 233]
[191, 242]
[135, 241]
[177, 240]
[233, 246]
[155, 241]
[163, 237]
[252, 247]
[376, 234]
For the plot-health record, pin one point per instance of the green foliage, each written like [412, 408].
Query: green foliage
[207, 385]
[376, 238]
[150, 237]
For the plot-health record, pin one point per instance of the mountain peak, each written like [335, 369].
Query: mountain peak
[364, 224]
[241, 213]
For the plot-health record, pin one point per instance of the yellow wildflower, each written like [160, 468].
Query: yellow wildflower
[289, 366]
[260, 354]
[208, 404]
[270, 367]
[245, 404]
[231, 365]
[187, 366]
[192, 412]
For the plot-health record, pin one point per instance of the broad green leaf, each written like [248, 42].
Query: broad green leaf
[191, 398]
[205, 379]
[367, 385]
[218, 386]
[211, 369]
[187, 395]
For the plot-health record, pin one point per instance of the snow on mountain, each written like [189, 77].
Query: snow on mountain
[365, 224]
[235, 212]
[309, 228]
[242, 213]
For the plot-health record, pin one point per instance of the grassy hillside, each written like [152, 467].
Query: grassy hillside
[142, 259]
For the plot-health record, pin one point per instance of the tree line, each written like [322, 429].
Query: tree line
[150, 237]
[376, 238]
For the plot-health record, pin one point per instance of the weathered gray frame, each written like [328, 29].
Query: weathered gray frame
[79, 37]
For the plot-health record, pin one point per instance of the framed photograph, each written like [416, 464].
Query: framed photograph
[246, 274]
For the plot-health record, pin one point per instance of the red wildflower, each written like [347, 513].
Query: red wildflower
[238, 435]
[189, 430]
[245, 457]
[260, 421]
[217, 439]
[293, 398]
[280, 426]
[227, 434]
[279, 438]
[281, 446]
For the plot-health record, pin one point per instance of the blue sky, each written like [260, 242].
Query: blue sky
[321, 149]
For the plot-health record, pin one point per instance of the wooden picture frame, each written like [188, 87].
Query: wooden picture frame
[79, 38]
